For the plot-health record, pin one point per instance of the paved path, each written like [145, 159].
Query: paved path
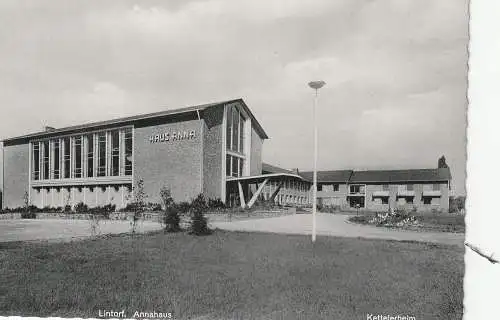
[336, 225]
[64, 229]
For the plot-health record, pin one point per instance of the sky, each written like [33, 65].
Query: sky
[395, 72]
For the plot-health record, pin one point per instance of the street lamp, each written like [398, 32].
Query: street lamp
[316, 85]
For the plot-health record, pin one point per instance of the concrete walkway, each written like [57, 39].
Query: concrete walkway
[65, 229]
[335, 225]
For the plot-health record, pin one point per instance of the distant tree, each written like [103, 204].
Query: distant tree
[442, 162]
[457, 204]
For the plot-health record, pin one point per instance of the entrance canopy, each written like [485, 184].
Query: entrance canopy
[250, 188]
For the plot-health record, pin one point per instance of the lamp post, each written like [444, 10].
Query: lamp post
[316, 85]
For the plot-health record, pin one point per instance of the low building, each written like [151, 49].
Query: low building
[379, 190]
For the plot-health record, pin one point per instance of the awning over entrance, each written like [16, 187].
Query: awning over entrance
[248, 197]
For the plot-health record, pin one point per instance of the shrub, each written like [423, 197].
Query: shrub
[109, 208]
[67, 209]
[216, 204]
[398, 217]
[31, 208]
[151, 206]
[130, 207]
[199, 225]
[457, 204]
[94, 224]
[28, 215]
[81, 207]
[184, 207]
[140, 205]
[171, 217]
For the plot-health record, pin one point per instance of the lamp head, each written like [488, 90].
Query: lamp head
[316, 84]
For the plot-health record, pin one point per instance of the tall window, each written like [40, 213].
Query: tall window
[46, 152]
[55, 160]
[435, 187]
[235, 140]
[101, 154]
[128, 152]
[235, 130]
[90, 155]
[36, 161]
[229, 127]
[241, 133]
[234, 166]
[385, 187]
[67, 157]
[78, 157]
[115, 153]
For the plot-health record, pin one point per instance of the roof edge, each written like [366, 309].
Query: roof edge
[133, 118]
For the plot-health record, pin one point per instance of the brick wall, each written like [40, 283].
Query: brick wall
[16, 174]
[174, 164]
[212, 152]
[256, 154]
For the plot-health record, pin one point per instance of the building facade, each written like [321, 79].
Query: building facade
[214, 149]
[190, 151]
[379, 190]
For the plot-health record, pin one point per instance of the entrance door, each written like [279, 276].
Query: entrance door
[356, 201]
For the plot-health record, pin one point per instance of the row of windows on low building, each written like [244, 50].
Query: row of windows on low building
[405, 200]
[360, 188]
[284, 199]
[91, 195]
[99, 154]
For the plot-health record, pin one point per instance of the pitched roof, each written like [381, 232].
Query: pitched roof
[131, 119]
[409, 175]
[268, 168]
[341, 176]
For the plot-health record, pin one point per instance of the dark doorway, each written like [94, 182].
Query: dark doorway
[356, 201]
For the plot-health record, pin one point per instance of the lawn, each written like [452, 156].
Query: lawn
[232, 275]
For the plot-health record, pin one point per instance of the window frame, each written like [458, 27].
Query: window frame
[83, 144]
[235, 148]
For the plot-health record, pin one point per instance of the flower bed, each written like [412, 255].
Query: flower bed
[437, 222]
[390, 219]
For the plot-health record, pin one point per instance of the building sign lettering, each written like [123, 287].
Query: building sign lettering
[173, 136]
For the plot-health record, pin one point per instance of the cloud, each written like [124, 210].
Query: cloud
[395, 70]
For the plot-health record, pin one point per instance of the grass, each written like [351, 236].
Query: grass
[231, 275]
[438, 222]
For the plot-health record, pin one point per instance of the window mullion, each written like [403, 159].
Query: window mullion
[72, 157]
[51, 159]
[95, 155]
